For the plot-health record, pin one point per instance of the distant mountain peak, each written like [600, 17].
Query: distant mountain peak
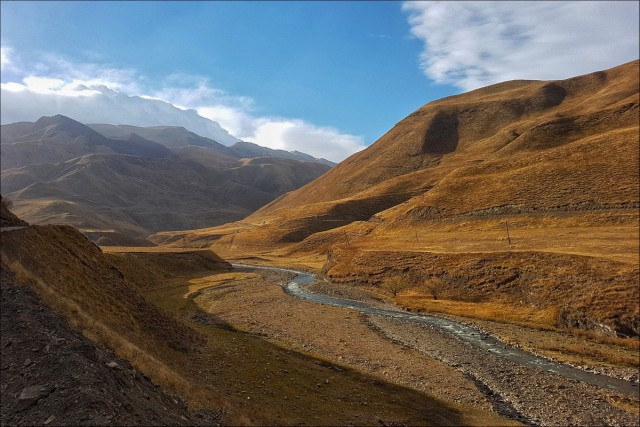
[109, 106]
[50, 126]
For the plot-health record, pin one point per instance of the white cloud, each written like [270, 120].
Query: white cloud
[98, 104]
[96, 94]
[474, 44]
[49, 86]
[292, 135]
[5, 60]
[286, 134]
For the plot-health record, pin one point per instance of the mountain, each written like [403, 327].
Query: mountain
[175, 138]
[58, 138]
[125, 183]
[172, 137]
[499, 193]
[105, 105]
[249, 150]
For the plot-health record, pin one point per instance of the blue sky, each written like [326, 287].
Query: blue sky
[340, 72]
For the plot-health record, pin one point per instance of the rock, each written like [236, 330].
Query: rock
[30, 396]
[27, 362]
[49, 420]
[33, 392]
[113, 365]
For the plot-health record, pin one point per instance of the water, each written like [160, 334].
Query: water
[463, 332]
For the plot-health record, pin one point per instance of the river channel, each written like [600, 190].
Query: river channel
[475, 337]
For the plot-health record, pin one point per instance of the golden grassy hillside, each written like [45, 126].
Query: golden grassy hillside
[521, 170]
[523, 145]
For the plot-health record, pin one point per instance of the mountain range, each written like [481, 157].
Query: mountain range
[121, 183]
[100, 104]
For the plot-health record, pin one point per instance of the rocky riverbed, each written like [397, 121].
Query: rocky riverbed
[415, 356]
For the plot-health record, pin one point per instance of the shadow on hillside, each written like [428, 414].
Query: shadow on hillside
[441, 136]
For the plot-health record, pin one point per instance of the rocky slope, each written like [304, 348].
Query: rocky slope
[56, 284]
[53, 375]
[7, 218]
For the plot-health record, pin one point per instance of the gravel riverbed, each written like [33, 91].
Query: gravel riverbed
[416, 356]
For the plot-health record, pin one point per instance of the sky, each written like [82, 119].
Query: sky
[325, 78]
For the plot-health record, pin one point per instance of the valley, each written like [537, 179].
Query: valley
[477, 265]
[519, 200]
[418, 357]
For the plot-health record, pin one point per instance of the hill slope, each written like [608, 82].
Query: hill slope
[122, 187]
[68, 374]
[552, 143]
[7, 218]
[52, 372]
[489, 178]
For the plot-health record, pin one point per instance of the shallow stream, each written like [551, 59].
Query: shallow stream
[463, 332]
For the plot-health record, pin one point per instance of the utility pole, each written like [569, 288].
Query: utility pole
[347, 238]
[508, 236]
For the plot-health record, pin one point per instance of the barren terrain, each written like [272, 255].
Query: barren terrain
[52, 375]
[418, 357]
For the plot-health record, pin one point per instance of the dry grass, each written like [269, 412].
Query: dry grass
[250, 380]
[546, 318]
[557, 161]
[589, 293]
[542, 145]
[539, 326]
[277, 386]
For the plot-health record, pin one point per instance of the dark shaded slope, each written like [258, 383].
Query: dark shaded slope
[7, 218]
[54, 375]
[58, 138]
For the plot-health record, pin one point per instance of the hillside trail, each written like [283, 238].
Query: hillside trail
[522, 386]
[4, 229]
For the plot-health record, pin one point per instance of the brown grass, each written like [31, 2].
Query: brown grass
[285, 387]
[584, 347]
[249, 379]
[555, 161]
[546, 318]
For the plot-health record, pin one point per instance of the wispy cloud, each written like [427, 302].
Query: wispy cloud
[109, 94]
[379, 36]
[474, 44]
[5, 61]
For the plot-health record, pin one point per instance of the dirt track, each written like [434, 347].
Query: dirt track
[414, 356]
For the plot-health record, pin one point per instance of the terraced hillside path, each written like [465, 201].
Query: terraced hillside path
[520, 385]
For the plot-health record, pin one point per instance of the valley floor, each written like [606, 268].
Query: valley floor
[417, 357]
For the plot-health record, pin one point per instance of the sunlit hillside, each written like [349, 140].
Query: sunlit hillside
[520, 169]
